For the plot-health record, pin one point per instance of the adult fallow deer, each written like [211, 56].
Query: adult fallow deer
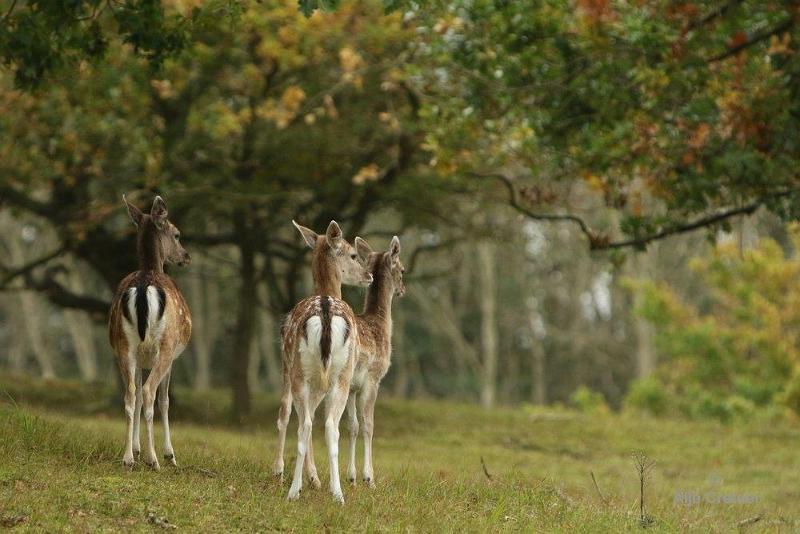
[149, 326]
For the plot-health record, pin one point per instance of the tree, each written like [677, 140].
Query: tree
[677, 115]
[270, 118]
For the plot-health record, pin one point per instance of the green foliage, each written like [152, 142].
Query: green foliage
[648, 395]
[736, 350]
[588, 401]
[634, 103]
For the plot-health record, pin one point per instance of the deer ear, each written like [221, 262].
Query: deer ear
[309, 235]
[394, 247]
[159, 212]
[135, 213]
[363, 249]
[334, 236]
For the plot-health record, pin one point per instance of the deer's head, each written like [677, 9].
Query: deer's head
[386, 265]
[156, 235]
[332, 250]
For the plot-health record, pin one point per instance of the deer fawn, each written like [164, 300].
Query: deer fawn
[374, 347]
[149, 326]
[318, 345]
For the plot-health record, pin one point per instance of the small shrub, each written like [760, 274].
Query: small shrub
[648, 395]
[588, 401]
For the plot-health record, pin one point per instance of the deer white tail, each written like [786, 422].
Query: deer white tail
[326, 334]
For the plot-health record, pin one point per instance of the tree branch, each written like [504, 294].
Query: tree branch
[709, 17]
[8, 193]
[64, 298]
[601, 242]
[514, 202]
[757, 38]
[25, 269]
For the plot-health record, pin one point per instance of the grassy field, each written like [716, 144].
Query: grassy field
[61, 448]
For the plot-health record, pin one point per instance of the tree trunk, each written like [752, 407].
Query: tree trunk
[201, 350]
[81, 331]
[268, 336]
[488, 293]
[35, 322]
[245, 322]
[538, 382]
[254, 366]
[645, 348]
[16, 350]
[399, 356]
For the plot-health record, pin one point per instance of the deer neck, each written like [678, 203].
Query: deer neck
[378, 302]
[327, 280]
[147, 245]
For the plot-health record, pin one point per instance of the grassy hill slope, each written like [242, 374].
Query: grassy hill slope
[61, 447]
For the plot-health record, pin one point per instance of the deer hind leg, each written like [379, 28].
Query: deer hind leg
[163, 405]
[127, 369]
[161, 367]
[337, 400]
[302, 405]
[137, 415]
[368, 398]
[311, 466]
[352, 418]
[284, 413]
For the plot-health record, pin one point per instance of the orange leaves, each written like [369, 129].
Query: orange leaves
[699, 137]
[351, 62]
[284, 110]
[368, 173]
[596, 11]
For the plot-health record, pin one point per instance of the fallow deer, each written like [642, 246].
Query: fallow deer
[318, 346]
[374, 347]
[149, 326]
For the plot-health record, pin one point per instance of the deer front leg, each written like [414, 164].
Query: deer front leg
[127, 369]
[160, 369]
[163, 405]
[137, 415]
[352, 418]
[368, 416]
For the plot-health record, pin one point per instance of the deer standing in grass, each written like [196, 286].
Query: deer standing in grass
[149, 326]
[318, 346]
[374, 347]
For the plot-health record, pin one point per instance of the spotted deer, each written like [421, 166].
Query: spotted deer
[374, 352]
[318, 347]
[149, 326]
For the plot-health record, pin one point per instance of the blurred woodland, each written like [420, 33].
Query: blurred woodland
[595, 198]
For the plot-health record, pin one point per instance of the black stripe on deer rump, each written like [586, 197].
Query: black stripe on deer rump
[143, 307]
[325, 339]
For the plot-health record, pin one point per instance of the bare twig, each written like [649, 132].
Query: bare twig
[485, 470]
[644, 465]
[749, 521]
[597, 488]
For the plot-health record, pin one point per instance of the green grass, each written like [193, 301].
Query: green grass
[61, 448]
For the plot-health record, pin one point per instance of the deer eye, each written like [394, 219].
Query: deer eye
[352, 256]
[177, 237]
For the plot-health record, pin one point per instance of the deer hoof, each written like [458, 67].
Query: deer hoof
[314, 481]
[170, 458]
